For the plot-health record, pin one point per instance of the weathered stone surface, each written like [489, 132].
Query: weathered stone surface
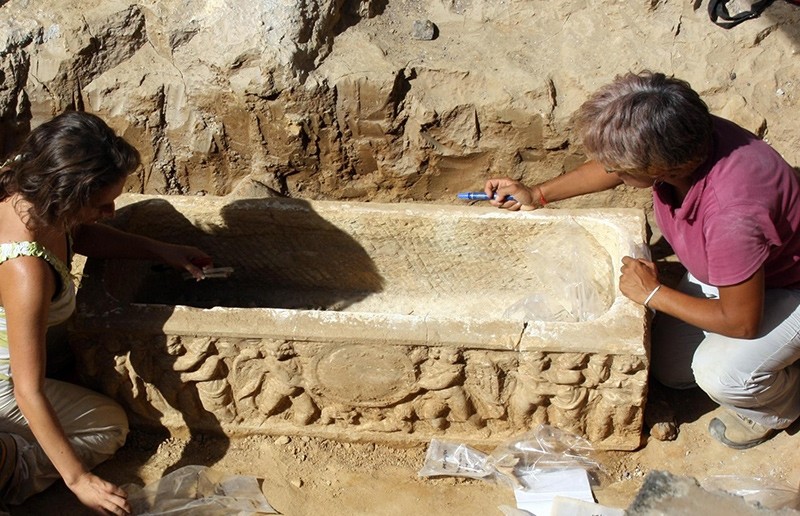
[389, 322]
[665, 494]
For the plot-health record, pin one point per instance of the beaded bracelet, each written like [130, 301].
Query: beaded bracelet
[542, 200]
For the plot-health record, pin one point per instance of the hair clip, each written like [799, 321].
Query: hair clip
[7, 162]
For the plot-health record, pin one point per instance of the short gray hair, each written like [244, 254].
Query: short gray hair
[646, 124]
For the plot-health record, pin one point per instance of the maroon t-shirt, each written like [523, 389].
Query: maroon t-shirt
[742, 212]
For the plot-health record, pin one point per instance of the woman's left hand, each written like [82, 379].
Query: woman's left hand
[184, 257]
[639, 278]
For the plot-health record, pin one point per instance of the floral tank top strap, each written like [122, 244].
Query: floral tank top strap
[11, 250]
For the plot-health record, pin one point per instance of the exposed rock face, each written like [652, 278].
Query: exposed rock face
[337, 99]
[183, 80]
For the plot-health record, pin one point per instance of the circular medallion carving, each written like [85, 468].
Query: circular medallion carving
[361, 375]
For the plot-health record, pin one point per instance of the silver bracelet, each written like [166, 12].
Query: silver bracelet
[650, 296]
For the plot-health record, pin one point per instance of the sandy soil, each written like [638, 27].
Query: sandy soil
[304, 476]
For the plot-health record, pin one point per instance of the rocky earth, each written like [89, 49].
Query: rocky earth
[384, 100]
[340, 99]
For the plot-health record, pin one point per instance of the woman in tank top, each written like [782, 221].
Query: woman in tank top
[65, 179]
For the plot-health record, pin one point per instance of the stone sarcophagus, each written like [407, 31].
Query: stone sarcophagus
[378, 322]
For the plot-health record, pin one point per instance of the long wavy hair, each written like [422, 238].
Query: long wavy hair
[63, 163]
[646, 124]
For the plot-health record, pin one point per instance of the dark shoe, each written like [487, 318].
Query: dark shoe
[738, 432]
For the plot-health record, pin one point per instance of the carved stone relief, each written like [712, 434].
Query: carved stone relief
[415, 392]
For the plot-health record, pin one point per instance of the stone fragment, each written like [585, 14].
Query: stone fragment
[666, 494]
[660, 417]
[423, 30]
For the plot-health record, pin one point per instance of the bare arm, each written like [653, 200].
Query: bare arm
[102, 241]
[737, 313]
[26, 287]
[588, 178]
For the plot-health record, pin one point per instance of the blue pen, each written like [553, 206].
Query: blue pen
[479, 196]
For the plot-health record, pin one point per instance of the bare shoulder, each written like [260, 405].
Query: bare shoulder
[26, 280]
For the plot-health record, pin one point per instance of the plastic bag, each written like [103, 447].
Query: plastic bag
[455, 460]
[755, 490]
[198, 490]
[545, 447]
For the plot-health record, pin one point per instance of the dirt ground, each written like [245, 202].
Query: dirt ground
[306, 476]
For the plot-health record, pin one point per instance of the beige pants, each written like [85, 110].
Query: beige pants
[758, 378]
[95, 425]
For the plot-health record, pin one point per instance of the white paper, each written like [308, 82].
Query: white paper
[544, 485]
[563, 506]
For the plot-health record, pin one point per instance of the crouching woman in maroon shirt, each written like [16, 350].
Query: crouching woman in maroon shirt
[729, 205]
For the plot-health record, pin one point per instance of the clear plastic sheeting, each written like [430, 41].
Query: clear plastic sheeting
[640, 251]
[199, 491]
[544, 448]
[574, 291]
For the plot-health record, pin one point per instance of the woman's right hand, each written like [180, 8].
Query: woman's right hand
[499, 189]
[101, 496]
[186, 257]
